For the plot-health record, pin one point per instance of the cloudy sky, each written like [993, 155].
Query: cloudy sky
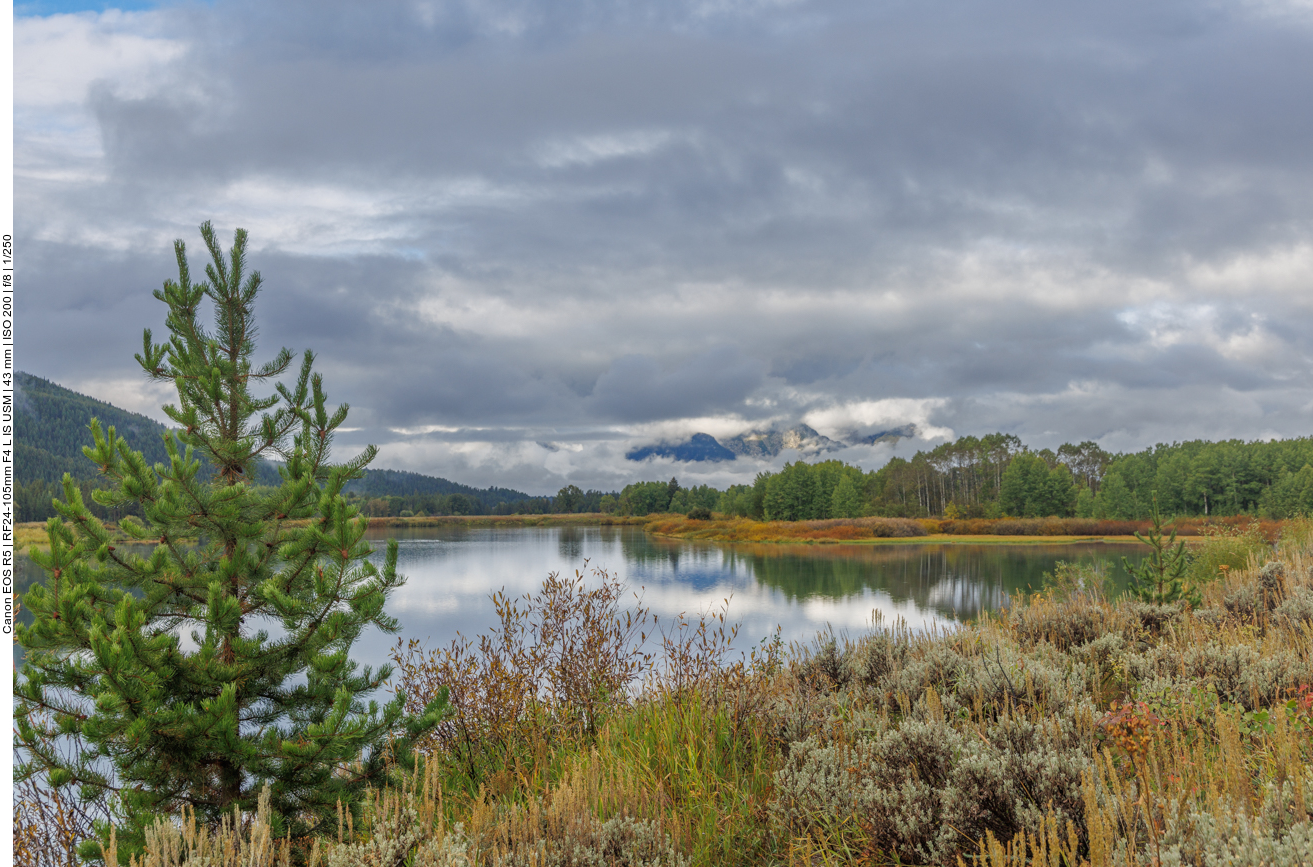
[524, 236]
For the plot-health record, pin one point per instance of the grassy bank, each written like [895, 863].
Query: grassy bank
[1010, 531]
[926, 530]
[1070, 729]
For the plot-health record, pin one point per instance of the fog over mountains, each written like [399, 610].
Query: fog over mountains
[805, 441]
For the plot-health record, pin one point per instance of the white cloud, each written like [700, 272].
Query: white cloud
[841, 418]
[135, 394]
[587, 150]
[1284, 272]
[58, 58]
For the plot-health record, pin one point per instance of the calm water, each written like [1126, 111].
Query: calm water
[451, 572]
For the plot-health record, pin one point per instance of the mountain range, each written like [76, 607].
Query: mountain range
[763, 444]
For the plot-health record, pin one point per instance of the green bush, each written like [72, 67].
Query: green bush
[1225, 549]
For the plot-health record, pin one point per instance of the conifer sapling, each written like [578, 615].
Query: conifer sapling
[151, 676]
[1160, 577]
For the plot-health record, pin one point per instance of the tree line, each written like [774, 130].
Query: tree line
[997, 476]
[991, 476]
[569, 500]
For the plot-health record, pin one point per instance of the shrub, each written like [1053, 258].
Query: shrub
[620, 841]
[1225, 549]
[925, 792]
[1297, 609]
[1241, 674]
[560, 829]
[551, 669]
[874, 658]
[1255, 601]
[1063, 624]
[1153, 618]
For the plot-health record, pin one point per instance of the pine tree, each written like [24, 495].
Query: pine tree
[151, 677]
[1160, 577]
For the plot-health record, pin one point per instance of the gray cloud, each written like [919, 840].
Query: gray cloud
[635, 388]
[593, 225]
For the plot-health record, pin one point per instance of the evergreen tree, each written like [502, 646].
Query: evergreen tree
[114, 699]
[1160, 577]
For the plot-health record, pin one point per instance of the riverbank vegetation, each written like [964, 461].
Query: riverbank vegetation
[1071, 729]
[719, 528]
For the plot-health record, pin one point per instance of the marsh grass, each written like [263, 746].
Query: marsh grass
[1241, 530]
[1071, 729]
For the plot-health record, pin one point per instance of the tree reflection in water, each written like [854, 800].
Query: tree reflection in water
[957, 581]
[451, 571]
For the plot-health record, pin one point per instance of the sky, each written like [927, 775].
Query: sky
[525, 237]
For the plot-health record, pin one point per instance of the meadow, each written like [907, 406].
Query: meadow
[1072, 728]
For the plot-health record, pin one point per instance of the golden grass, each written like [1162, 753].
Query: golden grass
[28, 534]
[1098, 732]
[857, 531]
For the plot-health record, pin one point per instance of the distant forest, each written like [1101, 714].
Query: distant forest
[973, 477]
[997, 476]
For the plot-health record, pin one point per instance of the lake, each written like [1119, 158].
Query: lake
[451, 571]
[803, 588]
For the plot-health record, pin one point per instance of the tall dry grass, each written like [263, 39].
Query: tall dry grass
[1071, 729]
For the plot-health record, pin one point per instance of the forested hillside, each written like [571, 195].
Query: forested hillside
[51, 427]
[400, 493]
[51, 430]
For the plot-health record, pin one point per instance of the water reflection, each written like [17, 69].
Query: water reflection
[570, 544]
[953, 581]
[804, 588]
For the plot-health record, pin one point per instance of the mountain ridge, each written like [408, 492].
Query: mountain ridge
[50, 424]
[763, 444]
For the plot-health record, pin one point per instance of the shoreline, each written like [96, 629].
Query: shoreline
[579, 519]
[734, 531]
[931, 539]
